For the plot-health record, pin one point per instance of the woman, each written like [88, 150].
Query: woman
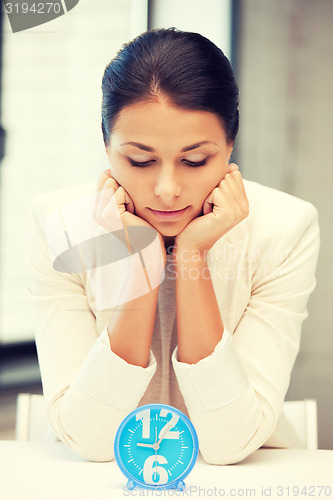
[201, 304]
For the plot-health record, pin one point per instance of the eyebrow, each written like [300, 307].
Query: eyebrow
[151, 150]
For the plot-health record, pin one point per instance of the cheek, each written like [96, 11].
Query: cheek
[119, 169]
[208, 183]
[126, 177]
[218, 172]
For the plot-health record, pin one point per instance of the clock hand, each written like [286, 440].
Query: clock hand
[167, 428]
[156, 448]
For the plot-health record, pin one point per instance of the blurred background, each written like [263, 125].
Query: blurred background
[281, 52]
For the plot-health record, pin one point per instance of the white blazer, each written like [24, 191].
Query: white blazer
[263, 271]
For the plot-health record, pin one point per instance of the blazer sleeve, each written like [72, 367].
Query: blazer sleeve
[235, 396]
[88, 388]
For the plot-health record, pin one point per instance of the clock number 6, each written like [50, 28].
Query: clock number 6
[150, 470]
[145, 417]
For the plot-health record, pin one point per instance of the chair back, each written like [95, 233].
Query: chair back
[32, 423]
[302, 415]
[31, 419]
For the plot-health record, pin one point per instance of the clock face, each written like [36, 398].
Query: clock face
[156, 445]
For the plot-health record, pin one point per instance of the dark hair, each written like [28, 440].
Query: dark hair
[187, 68]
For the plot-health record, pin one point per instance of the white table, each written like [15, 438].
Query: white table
[49, 471]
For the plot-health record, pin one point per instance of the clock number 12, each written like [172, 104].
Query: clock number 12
[144, 415]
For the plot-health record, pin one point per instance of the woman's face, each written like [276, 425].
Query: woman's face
[168, 160]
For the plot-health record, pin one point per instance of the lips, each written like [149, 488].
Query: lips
[168, 214]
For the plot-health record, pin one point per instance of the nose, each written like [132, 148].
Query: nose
[167, 185]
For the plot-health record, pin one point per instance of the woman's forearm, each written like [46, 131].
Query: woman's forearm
[199, 321]
[131, 328]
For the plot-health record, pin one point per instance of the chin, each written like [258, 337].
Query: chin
[172, 232]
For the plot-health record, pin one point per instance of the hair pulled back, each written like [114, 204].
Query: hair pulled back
[184, 67]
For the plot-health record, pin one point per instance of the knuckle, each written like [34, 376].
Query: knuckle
[106, 173]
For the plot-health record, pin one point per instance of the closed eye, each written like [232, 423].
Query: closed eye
[139, 163]
[195, 163]
[149, 162]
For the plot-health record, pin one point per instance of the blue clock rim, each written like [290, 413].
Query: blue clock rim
[156, 406]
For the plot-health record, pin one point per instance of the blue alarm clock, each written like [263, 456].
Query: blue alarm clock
[156, 446]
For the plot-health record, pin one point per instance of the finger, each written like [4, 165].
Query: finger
[124, 201]
[226, 207]
[222, 202]
[233, 167]
[233, 185]
[226, 189]
[236, 182]
[99, 187]
[207, 206]
[105, 195]
[231, 181]
[102, 179]
[216, 197]
[128, 202]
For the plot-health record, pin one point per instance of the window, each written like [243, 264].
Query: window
[51, 114]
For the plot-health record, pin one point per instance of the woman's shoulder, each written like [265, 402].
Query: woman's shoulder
[261, 195]
[272, 208]
[276, 218]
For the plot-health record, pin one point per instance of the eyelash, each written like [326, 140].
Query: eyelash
[192, 164]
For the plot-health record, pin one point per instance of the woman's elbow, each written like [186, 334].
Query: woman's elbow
[229, 447]
[89, 449]
[225, 457]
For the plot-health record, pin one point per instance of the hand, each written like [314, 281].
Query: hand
[225, 206]
[108, 188]
[113, 203]
[155, 446]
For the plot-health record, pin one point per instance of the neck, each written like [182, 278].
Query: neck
[169, 242]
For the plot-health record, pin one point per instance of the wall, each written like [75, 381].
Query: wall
[285, 73]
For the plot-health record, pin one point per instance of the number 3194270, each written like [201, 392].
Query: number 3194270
[35, 8]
